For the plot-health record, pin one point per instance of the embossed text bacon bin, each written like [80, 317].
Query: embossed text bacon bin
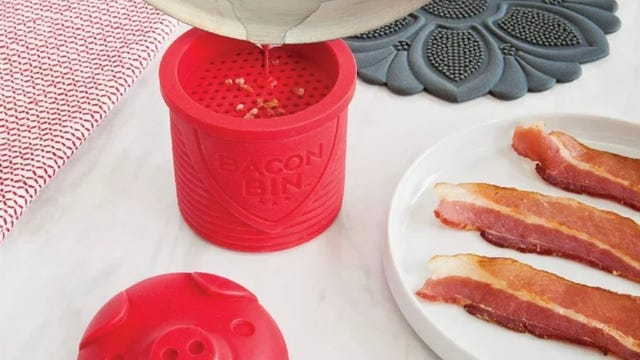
[259, 137]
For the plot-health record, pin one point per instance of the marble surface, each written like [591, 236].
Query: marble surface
[109, 219]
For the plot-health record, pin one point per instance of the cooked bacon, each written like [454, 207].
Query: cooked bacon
[566, 163]
[522, 298]
[536, 223]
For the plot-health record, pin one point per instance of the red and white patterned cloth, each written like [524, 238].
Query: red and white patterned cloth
[63, 65]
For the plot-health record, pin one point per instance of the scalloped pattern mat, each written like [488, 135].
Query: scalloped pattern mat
[459, 50]
[63, 66]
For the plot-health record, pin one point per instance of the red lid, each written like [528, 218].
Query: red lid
[183, 316]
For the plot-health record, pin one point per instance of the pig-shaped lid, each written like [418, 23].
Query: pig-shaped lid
[183, 316]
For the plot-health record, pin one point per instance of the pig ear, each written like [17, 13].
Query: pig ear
[111, 316]
[218, 286]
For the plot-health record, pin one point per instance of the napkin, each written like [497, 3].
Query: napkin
[63, 65]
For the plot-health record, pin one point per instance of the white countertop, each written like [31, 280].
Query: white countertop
[109, 219]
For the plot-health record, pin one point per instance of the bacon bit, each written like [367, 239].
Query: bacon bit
[298, 91]
[240, 107]
[259, 102]
[241, 83]
[271, 104]
[251, 114]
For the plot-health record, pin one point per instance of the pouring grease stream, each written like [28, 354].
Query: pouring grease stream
[271, 81]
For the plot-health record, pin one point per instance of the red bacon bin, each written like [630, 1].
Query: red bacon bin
[259, 159]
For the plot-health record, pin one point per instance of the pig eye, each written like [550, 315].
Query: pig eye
[242, 327]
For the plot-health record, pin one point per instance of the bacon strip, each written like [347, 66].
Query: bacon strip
[534, 223]
[522, 298]
[568, 164]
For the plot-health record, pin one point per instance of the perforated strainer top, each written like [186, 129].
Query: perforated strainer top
[236, 83]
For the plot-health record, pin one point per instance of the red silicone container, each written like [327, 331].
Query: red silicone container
[259, 162]
[183, 316]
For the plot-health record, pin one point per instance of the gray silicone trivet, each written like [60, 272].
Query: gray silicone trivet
[462, 49]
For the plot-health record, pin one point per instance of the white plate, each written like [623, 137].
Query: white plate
[484, 154]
